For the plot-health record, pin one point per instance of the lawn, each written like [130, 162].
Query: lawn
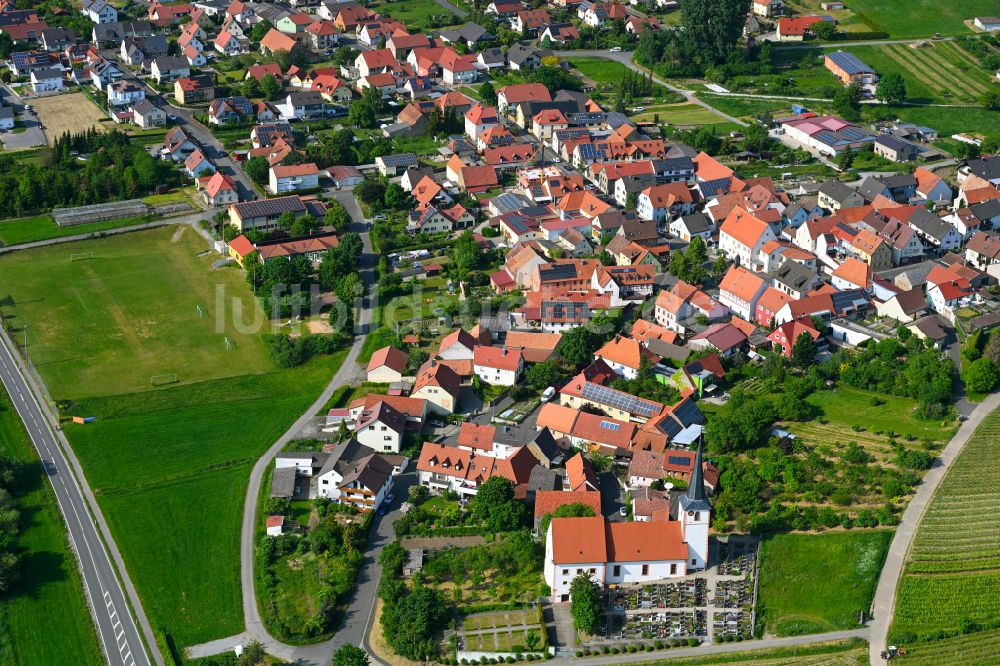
[105, 325]
[875, 412]
[948, 121]
[607, 73]
[683, 115]
[922, 18]
[174, 496]
[417, 14]
[952, 576]
[421, 145]
[43, 227]
[44, 617]
[747, 107]
[813, 583]
[426, 302]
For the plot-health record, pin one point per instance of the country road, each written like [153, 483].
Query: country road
[884, 603]
[109, 604]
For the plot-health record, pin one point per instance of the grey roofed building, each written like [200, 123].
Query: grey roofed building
[675, 150]
[519, 54]
[696, 223]
[492, 56]
[795, 277]
[849, 63]
[836, 190]
[6, 112]
[469, 33]
[667, 350]
[986, 210]
[984, 322]
[930, 225]
[283, 483]
[399, 160]
[143, 106]
[987, 168]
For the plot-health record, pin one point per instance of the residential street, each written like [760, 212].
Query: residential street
[884, 604]
[33, 135]
[109, 605]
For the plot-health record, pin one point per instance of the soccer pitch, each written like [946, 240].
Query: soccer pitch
[108, 323]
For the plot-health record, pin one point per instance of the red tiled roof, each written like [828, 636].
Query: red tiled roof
[390, 357]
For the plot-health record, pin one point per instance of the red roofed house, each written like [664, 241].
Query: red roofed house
[293, 177]
[740, 290]
[945, 289]
[521, 92]
[275, 41]
[457, 345]
[442, 467]
[498, 366]
[240, 248]
[439, 385]
[625, 356]
[580, 475]
[387, 365]
[547, 501]
[741, 236]
[220, 190]
[784, 337]
[794, 29]
[476, 438]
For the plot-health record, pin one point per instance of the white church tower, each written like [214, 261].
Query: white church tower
[695, 512]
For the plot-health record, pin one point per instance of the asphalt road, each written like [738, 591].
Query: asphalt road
[119, 634]
[33, 134]
[884, 603]
[358, 616]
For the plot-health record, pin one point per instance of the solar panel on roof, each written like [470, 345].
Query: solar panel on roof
[608, 425]
[688, 413]
[678, 460]
[619, 400]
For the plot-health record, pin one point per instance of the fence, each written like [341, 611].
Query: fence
[69, 217]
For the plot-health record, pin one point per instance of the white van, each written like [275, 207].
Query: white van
[548, 394]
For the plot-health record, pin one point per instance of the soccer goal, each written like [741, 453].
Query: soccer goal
[81, 256]
[201, 311]
[162, 380]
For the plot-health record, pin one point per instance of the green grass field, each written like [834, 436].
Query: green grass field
[948, 121]
[416, 14]
[105, 325]
[852, 652]
[685, 116]
[169, 469]
[44, 617]
[848, 406]
[43, 227]
[952, 576]
[922, 18]
[812, 583]
[607, 73]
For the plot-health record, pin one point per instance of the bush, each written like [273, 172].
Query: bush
[693, 642]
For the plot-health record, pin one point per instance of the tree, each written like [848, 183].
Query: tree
[269, 86]
[488, 94]
[6, 45]
[543, 374]
[585, 604]
[250, 88]
[578, 345]
[361, 114]
[396, 198]
[756, 139]
[891, 89]
[607, 259]
[696, 252]
[257, 168]
[336, 216]
[253, 654]
[824, 30]
[981, 376]
[990, 100]
[350, 655]
[712, 28]
[261, 29]
[847, 102]
[804, 350]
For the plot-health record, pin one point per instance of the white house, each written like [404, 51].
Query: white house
[293, 177]
[741, 236]
[99, 11]
[457, 346]
[43, 80]
[381, 428]
[497, 365]
[125, 92]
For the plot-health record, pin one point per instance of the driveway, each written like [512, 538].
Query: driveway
[33, 135]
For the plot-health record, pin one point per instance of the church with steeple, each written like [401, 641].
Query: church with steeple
[613, 553]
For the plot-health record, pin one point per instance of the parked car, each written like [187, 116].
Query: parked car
[616, 49]
[623, 512]
[388, 499]
[548, 393]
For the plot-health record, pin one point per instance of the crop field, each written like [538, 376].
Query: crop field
[43, 616]
[794, 600]
[68, 113]
[922, 18]
[169, 469]
[107, 324]
[978, 649]
[939, 73]
[953, 572]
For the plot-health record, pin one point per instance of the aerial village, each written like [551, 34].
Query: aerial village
[600, 359]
